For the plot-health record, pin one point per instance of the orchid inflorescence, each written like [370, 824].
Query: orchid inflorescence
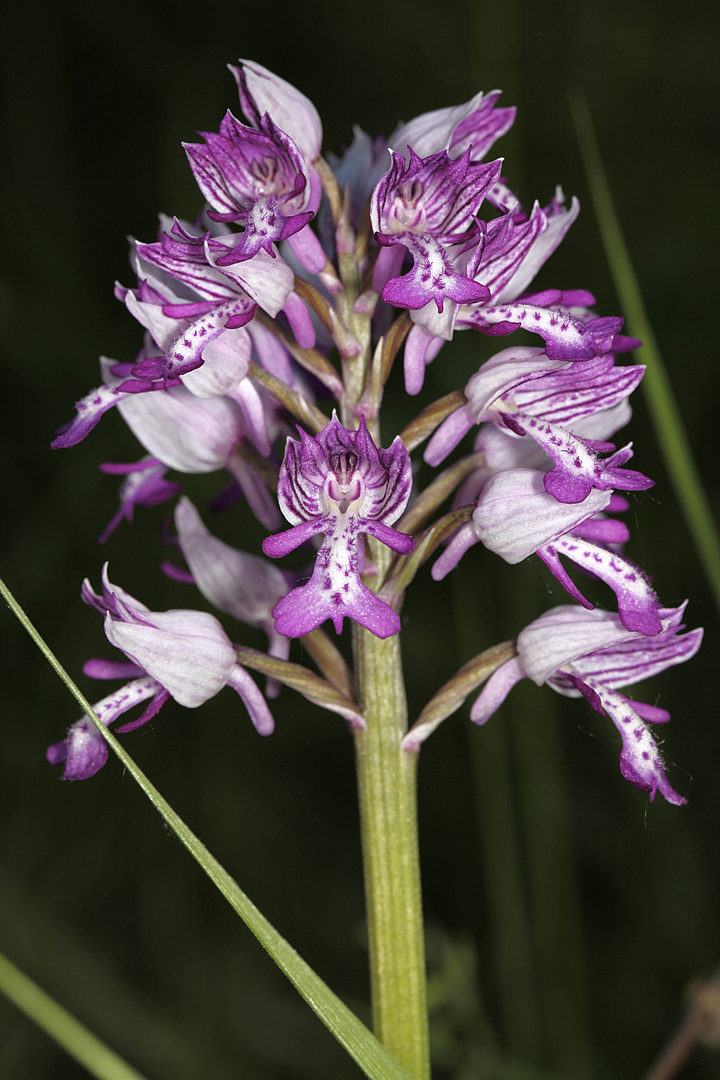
[298, 284]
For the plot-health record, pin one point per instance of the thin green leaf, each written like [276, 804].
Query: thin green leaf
[330, 661]
[331, 188]
[435, 494]
[425, 422]
[315, 300]
[294, 402]
[426, 544]
[672, 437]
[303, 680]
[390, 344]
[99, 1060]
[452, 695]
[351, 1033]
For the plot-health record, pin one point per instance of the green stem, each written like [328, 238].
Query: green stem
[388, 816]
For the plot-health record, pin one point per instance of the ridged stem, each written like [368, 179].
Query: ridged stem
[388, 813]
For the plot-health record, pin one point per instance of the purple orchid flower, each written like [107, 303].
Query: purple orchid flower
[339, 485]
[184, 655]
[185, 303]
[532, 394]
[475, 125]
[294, 115]
[592, 654]
[526, 383]
[523, 506]
[196, 311]
[427, 206]
[196, 317]
[184, 432]
[197, 340]
[508, 254]
[516, 517]
[255, 177]
[507, 257]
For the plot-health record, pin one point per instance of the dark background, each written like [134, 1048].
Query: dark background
[566, 914]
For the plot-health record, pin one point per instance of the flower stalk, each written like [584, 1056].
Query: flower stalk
[386, 775]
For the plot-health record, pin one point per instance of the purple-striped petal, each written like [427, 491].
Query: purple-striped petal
[262, 92]
[576, 467]
[637, 602]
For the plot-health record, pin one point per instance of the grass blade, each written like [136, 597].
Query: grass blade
[99, 1060]
[351, 1033]
[672, 437]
